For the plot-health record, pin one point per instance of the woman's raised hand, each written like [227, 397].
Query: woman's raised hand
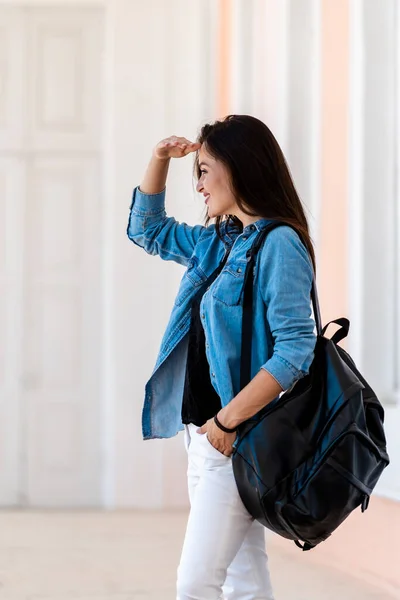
[174, 147]
[155, 178]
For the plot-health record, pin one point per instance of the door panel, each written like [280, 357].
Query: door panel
[65, 49]
[62, 333]
[12, 190]
[12, 78]
[50, 257]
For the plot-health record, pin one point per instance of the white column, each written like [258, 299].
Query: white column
[374, 251]
[242, 66]
[356, 180]
[397, 205]
[304, 97]
[276, 68]
[375, 275]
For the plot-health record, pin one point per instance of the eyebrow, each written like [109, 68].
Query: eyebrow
[203, 163]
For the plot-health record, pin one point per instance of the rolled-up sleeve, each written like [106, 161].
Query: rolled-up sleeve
[147, 205]
[286, 276]
[151, 229]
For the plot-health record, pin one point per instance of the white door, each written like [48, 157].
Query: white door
[50, 256]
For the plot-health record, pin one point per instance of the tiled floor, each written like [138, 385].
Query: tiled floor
[133, 556]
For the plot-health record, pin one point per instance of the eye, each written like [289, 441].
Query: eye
[202, 172]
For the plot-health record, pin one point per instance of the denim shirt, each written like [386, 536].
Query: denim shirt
[283, 328]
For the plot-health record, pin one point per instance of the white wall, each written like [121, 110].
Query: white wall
[161, 87]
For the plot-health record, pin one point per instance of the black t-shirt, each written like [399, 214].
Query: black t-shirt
[200, 400]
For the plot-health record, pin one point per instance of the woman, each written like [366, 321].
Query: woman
[246, 184]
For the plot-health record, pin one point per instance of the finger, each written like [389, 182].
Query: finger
[177, 140]
[190, 149]
[186, 142]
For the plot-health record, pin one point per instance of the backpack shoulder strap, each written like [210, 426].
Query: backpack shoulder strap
[247, 319]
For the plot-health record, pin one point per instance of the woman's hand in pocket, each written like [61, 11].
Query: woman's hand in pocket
[223, 442]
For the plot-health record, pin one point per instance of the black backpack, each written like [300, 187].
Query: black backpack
[312, 456]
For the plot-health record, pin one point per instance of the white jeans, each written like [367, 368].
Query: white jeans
[223, 555]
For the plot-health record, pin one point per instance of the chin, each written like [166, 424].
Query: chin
[214, 214]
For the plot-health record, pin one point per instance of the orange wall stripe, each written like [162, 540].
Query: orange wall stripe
[224, 57]
[333, 267]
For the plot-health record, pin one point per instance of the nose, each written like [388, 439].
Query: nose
[199, 186]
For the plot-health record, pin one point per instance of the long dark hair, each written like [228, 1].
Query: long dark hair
[260, 177]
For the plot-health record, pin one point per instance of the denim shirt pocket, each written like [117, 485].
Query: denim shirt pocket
[193, 278]
[228, 287]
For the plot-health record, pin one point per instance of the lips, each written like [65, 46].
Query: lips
[207, 198]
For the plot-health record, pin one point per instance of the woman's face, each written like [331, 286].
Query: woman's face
[215, 186]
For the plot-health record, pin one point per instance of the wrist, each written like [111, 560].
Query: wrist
[227, 417]
[160, 159]
[224, 422]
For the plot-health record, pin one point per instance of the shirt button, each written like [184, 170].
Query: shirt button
[203, 316]
[213, 374]
[245, 237]
[239, 270]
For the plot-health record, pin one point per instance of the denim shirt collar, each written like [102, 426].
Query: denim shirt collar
[230, 230]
